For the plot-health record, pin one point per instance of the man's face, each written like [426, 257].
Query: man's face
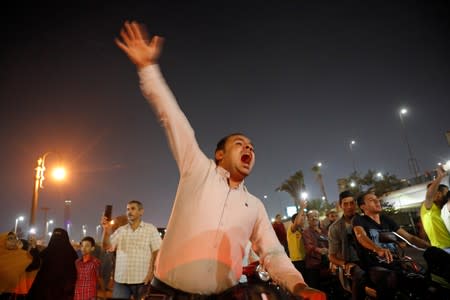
[440, 196]
[134, 213]
[86, 247]
[238, 157]
[332, 216]
[348, 206]
[313, 219]
[372, 204]
[12, 243]
[278, 219]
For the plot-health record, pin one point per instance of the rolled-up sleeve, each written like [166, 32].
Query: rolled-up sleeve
[272, 254]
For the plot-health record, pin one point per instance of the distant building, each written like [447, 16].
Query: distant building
[411, 197]
[67, 216]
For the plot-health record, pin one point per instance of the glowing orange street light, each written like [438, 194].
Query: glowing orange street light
[59, 173]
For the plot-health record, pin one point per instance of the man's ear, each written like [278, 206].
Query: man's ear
[219, 155]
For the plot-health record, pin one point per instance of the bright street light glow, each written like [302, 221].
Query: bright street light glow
[323, 198]
[319, 164]
[59, 173]
[21, 218]
[32, 230]
[353, 142]
[352, 184]
[50, 221]
[403, 111]
[304, 195]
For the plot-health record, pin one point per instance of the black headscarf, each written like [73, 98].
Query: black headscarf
[57, 275]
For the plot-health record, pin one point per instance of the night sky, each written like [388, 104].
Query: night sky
[301, 78]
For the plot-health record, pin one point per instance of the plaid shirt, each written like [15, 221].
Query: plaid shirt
[87, 274]
[134, 250]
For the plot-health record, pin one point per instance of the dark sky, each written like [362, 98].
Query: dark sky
[301, 78]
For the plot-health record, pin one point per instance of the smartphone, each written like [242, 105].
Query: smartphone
[108, 212]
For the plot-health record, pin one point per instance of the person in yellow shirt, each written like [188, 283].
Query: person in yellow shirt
[295, 241]
[430, 212]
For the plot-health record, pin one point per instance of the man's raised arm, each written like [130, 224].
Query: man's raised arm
[433, 188]
[137, 47]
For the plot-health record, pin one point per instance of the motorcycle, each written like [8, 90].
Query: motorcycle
[422, 282]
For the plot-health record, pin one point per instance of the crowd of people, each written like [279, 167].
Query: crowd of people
[215, 218]
[355, 244]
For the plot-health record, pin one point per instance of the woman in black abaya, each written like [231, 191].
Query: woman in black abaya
[57, 275]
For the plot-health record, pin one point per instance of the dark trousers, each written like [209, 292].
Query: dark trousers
[161, 291]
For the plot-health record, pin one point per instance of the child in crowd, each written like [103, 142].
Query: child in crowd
[88, 271]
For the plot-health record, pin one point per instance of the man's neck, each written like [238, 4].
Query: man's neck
[86, 257]
[234, 183]
[374, 216]
[134, 225]
[348, 219]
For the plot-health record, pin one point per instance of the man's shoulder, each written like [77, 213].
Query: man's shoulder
[148, 226]
[336, 226]
[252, 198]
[358, 218]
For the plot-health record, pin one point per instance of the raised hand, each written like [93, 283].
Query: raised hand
[136, 45]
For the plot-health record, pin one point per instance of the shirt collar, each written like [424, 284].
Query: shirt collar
[226, 175]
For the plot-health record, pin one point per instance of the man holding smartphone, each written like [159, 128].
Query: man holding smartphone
[136, 244]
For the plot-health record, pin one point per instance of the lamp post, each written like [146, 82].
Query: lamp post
[20, 218]
[350, 145]
[84, 230]
[59, 174]
[46, 228]
[412, 162]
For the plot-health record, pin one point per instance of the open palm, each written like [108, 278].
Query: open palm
[136, 45]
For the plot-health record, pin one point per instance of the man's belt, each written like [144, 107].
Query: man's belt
[177, 294]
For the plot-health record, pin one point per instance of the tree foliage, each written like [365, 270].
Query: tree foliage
[294, 186]
[380, 185]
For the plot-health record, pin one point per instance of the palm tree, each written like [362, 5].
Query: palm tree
[319, 178]
[294, 186]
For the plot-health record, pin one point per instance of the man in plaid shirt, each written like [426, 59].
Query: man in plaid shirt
[136, 244]
[88, 271]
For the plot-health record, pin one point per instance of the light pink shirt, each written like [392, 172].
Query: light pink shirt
[211, 223]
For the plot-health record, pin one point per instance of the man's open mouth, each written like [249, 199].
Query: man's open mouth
[246, 158]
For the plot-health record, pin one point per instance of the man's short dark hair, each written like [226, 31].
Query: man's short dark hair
[442, 188]
[89, 239]
[138, 203]
[221, 144]
[360, 199]
[343, 195]
[293, 217]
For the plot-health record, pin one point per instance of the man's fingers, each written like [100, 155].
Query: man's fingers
[129, 30]
[121, 45]
[125, 37]
[157, 43]
[139, 31]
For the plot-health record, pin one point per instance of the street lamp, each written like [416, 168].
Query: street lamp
[304, 195]
[46, 227]
[412, 162]
[20, 218]
[97, 231]
[351, 144]
[38, 184]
